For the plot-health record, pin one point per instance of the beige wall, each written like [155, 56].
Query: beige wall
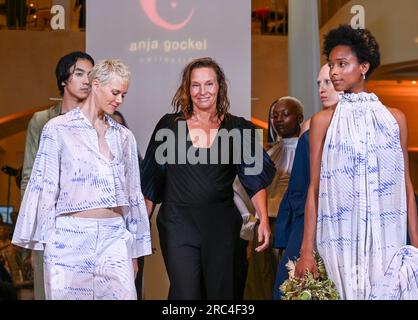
[403, 96]
[269, 73]
[413, 169]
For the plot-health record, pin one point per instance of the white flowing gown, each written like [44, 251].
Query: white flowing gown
[362, 210]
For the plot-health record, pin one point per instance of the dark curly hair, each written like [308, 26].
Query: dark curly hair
[182, 100]
[64, 68]
[361, 42]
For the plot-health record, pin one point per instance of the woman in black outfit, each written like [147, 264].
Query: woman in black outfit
[190, 165]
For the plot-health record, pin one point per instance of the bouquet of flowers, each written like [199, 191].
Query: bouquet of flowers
[309, 288]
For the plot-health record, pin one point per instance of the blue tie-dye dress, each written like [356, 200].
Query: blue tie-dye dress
[362, 209]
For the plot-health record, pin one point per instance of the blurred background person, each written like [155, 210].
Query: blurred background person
[285, 120]
[288, 232]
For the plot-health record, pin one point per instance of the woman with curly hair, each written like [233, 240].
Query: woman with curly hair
[198, 223]
[360, 200]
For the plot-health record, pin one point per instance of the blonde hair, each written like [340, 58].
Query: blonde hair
[106, 69]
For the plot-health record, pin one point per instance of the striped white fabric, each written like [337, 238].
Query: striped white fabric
[362, 207]
[89, 259]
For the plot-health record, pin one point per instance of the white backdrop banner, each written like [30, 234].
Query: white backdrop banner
[157, 38]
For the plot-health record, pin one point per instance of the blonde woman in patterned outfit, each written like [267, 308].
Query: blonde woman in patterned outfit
[83, 205]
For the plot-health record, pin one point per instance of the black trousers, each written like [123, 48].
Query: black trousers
[241, 270]
[199, 247]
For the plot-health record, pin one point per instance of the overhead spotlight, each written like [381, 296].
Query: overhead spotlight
[414, 82]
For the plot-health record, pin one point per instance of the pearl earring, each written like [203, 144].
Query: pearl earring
[364, 76]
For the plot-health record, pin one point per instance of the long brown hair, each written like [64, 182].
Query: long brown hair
[182, 100]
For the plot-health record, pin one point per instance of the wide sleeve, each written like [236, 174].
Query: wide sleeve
[255, 170]
[136, 216]
[153, 172]
[36, 219]
[31, 147]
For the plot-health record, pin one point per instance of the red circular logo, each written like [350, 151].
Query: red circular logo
[150, 9]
